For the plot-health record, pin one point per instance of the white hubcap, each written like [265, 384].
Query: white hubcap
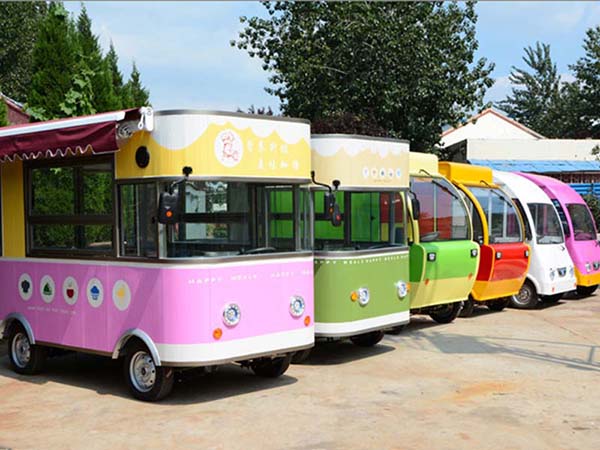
[142, 371]
[21, 350]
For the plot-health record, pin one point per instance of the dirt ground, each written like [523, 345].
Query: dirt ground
[509, 380]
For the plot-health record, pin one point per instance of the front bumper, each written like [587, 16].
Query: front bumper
[355, 327]
[213, 353]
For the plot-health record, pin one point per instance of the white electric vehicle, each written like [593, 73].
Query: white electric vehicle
[551, 271]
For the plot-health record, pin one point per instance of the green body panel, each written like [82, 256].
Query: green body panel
[335, 279]
[453, 262]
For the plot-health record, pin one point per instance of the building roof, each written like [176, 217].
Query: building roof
[539, 166]
[16, 111]
[490, 123]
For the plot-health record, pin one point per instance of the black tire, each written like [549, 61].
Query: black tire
[271, 367]
[552, 298]
[498, 304]
[368, 339]
[446, 313]
[396, 330]
[145, 380]
[527, 298]
[586, 291]
[301, 356]
[467, 308]
[25, 358]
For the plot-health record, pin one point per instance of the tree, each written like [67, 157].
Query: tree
[408, 66]
[111, 62]
[135, 94]
[93, 66]
[54, 61]
[3, 112]
[587, 84]
[19, 24]
[536, 91]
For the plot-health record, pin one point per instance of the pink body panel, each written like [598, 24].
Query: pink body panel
[177, 304]
[580, 251]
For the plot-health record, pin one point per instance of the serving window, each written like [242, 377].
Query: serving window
[70, 207]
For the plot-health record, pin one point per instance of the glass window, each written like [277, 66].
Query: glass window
[443, 216]
[232, 218]
[70, 206]
[583, 224]
[475, 218]
[502, 218]
[376, 220]
[562, 216]
[546, 222]
[139, 231]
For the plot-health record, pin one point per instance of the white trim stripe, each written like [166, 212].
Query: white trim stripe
[235, 350]
[340, 329]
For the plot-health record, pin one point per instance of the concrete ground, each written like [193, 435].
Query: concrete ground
[509, 380]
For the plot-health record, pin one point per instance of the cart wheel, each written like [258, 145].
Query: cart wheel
[498, 304]
[25, 358]
[368, 339]
[552, 298]
[586, 291]
[446, 313]
[301, 356]
[146, 380]
[467, 308]
[527, 298]
[396, 330]
[271, 367]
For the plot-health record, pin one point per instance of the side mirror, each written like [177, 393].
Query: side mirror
[416, 208]
[168, 208]
[329, 204]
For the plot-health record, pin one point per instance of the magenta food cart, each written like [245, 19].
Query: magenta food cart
[579, 228]
[158, 239]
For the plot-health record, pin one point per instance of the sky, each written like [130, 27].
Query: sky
[182, 48]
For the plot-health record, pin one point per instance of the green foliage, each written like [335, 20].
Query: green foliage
[19, 24]
[3, 112]
[54, 59]
[587, 84]
[536, 92]
[79, 101]
[136, 95]
[111, 61]
[408, 66]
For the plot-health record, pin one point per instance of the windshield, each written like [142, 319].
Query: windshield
[376, 220]
[502, 218]
[546, 223]
[583, 224]
[444, 216]
[233, 218]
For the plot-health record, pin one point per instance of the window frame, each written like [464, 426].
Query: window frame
[69, 219]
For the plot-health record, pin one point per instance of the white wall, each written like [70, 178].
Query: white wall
[489, 125]
[528, 149]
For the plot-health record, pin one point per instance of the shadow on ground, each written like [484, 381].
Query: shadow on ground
[342, 352]
[105, 376]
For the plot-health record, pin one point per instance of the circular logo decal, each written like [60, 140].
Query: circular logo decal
[70, 290]
[25, 286]
[398, 173]
[391, 173]
[95, 292]
[121, 295]
[365, 172]
[382, 173]
[47, 288]
[229, 148]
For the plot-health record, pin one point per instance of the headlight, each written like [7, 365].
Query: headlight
[588, 267]
[402, 289]
[297, 306]
[552, 274]
[231, 314]
[571, 271]
[474, 253]
[596, 265]
[363, 296]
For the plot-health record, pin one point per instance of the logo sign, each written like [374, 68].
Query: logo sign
[229, 148]
[95, 292]
[121, 295]
[47, 288]
[25, 286]
[70, 290]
